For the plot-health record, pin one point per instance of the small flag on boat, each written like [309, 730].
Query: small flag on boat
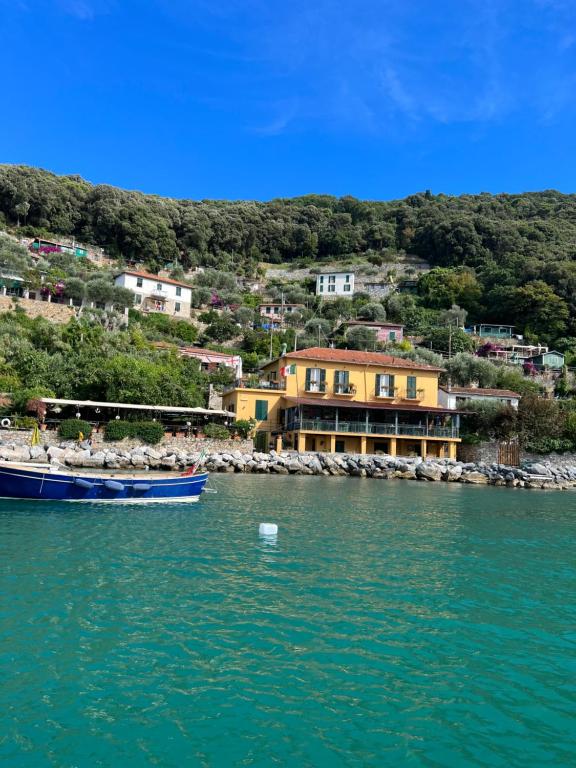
[197, 463]
[35, 439]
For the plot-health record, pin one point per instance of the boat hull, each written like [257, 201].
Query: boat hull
[46, 485]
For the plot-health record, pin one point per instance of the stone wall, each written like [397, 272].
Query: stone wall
[192, 445]
[482, 452]
[56, 313]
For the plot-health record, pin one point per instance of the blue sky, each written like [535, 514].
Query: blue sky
[269, 98]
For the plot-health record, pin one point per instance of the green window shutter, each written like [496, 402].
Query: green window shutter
[411, 386]
[391, 384]
[308, 377]
[377, 385]
[322, 379]
[336, 380]
[261, 410]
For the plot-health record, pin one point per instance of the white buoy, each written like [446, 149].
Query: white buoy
[268, 529]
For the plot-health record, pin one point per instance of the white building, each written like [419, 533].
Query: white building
[211, 360]
[331, 284]
[157, 294]
[455, 397]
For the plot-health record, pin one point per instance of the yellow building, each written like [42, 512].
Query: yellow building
[340, 400]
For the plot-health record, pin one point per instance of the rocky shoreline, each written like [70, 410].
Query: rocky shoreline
[542, 475]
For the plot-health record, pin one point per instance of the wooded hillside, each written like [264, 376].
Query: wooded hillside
[518, 250]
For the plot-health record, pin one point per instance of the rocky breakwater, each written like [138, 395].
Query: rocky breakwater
[542, 475]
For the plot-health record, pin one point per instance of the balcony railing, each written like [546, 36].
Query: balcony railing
[415, 430]
[344, 389]
[412, 394]
[316, 386]
[158, 293]
[387, 393]
[255, 383]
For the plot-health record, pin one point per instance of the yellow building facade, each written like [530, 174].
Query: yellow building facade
[334, 400]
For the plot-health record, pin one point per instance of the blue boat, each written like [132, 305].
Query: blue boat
[45, 483]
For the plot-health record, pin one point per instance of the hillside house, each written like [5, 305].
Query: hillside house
[456, 397]
[279, 310]
[385, 332]
[494, 331]
[211, 360]
[332, 284]
[336, 400]
[547, 361]
[157, 294]
[38, 246]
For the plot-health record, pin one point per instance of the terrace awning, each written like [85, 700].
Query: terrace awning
[136, 407]
[333, 403]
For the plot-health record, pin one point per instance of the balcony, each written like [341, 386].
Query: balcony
[387, 393]
[253, 382]
[316, 387]
[344, 389]
[363, 428]
[158, 293]
[413, 395]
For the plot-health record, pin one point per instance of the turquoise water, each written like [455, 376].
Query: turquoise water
[391, 624]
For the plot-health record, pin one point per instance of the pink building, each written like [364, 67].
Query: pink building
[385, 332]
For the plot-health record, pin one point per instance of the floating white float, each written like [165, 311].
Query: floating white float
[268, 529]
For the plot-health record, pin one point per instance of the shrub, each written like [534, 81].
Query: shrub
[25, 422]
[216, 431]
[244, 427]
[150, 432]
[70, 429]
[548, 445]
[117, 430]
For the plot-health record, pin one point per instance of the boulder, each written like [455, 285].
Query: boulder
[169, 461]
[428, 471]
[477, 478]
[77, 458]
[37, 452]
[454, 473]
[55, 453]
[15, 453]
[95, 460]
[279, 469]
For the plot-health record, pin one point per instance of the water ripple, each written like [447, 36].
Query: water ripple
[389, 624]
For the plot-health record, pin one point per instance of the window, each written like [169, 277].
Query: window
[178, 291]
[139, 282]
[276, 310]
[321, 289]
[158, 286]
[177, 306]
[331, 289]
[347, 288]
[341, 386]
[347, 278]
[268, 310]
[137, 299]
[385, 385]
[261, 410]
[332, 279]
[340, 446]
[321, 278]
[315, 380]
[411, 387]
[392, 336]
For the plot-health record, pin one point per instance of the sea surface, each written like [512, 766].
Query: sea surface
[389, 624]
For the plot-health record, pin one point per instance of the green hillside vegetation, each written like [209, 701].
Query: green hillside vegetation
[504, 258]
